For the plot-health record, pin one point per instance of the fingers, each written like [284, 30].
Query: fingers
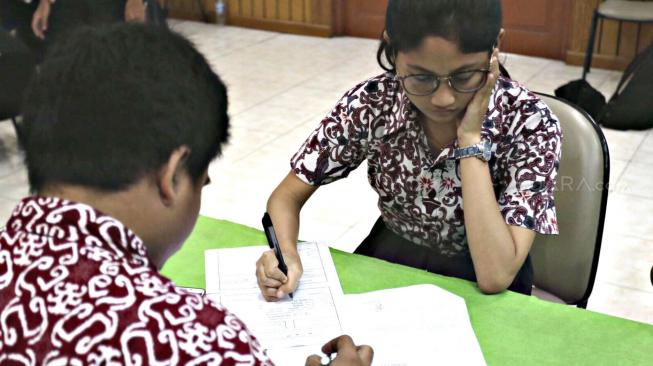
[339, 344]
[37, 26]
[314, 360]
[294, 273]
[40, 19]
[493, 75]
[269, 276]
[366, 354]
[347, 352]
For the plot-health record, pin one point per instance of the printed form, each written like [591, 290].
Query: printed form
[405, 326]
[308, 320]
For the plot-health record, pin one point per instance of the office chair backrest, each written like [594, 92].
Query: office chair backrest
[565, 265]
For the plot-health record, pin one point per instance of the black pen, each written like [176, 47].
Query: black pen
[274, 244]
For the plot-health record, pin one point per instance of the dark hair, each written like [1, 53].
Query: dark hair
[110, 104]
[473, 24]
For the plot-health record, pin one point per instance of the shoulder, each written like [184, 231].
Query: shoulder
[517, 108]
[199, 325]
[376, 92]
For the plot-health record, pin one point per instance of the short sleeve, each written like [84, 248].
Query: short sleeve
[339, 144]
[531, 167]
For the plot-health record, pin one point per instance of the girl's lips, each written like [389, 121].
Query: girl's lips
[443, 112]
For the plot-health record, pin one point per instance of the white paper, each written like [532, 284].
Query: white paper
[308, 320]
[415, 325]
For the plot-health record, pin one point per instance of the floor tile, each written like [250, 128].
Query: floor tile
[622, 302]
[15, 186]
[624, 144]
[629, 215]
[626, 261]
[644, 154]
[6, 208]
[637, 180]
[11, 159]
[617, 168]
[523, 68]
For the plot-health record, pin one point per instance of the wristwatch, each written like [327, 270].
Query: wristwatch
[482, 150]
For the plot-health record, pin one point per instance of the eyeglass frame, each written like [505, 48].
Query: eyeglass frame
[448, 77]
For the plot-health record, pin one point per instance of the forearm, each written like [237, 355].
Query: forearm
[284, 210]
[493, 249]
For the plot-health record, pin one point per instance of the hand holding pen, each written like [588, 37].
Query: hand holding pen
[277, 272]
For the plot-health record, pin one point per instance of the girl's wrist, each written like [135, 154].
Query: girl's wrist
[469, 139]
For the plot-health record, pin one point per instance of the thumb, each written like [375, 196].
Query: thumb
[314, 360]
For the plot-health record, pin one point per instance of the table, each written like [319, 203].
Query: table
[512, 329]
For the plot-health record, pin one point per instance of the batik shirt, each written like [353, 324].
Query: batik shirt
[420, 194]
[77, 288]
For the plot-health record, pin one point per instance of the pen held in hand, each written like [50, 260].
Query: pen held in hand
[274, 244]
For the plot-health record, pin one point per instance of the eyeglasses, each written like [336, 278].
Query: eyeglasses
[466, 81]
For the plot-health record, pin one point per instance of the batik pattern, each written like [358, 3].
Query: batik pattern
[77, 288]
[420, 194]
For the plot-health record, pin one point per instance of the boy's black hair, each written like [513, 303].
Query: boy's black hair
[110, 104]
[472, 24]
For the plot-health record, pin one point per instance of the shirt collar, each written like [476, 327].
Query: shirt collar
[408, 118]
[403, 114]
[74, 222]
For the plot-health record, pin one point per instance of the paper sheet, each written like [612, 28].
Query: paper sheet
[415, 325]
[308, 320]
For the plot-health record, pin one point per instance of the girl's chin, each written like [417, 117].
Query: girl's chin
[443, 118]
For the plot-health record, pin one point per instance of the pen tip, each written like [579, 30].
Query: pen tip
[291, 296]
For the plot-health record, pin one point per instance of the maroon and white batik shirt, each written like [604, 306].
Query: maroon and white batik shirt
[77, 288]
[420, 194]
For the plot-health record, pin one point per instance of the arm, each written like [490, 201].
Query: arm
[284, 206]
[335, 148]
[40, 19]
[498, 250]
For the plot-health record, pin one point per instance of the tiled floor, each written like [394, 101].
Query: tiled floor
[281, 85]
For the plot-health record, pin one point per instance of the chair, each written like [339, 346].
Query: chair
[565, 265]
[639, 12]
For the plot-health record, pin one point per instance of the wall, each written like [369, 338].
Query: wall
[311, 17]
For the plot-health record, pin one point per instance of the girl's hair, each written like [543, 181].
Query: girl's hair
[472, 24]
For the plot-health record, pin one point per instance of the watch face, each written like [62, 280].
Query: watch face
[487, 155]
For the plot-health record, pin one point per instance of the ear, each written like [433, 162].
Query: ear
[169, 175]
[500, 38]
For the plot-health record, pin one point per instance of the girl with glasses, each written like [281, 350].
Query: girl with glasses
[463, 159]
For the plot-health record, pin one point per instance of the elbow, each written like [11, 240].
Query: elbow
[491, 285]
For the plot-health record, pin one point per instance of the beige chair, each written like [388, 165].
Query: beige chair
[638, 12]
[565, 265]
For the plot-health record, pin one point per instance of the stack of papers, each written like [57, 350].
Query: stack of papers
[413, 325]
